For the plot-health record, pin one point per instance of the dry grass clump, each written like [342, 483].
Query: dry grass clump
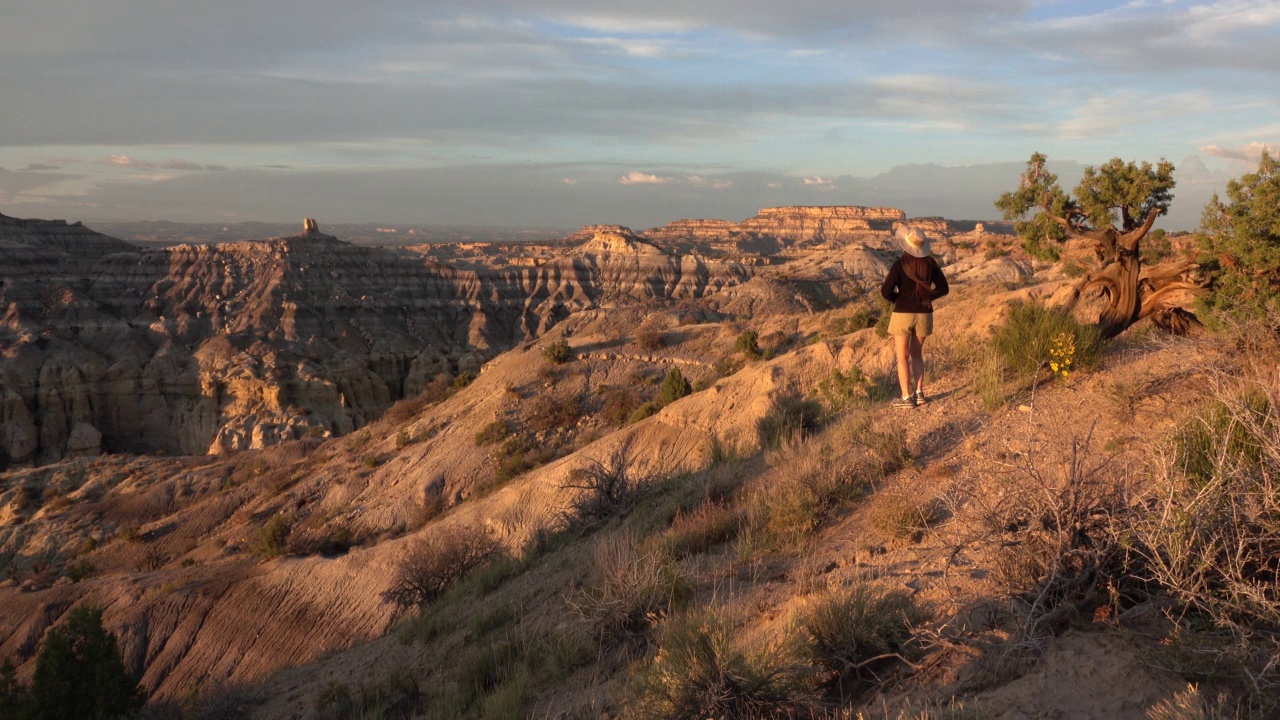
[630, 585]
[706, 525]
[851, 634]
[428, 567]
[790, 418]
[883, 447]
[788, 508]
[1190, 704]
[395, 696]
[900, 515]
[700, 672]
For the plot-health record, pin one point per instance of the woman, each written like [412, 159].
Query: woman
[913, 283]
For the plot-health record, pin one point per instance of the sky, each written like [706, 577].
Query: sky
[560, 113]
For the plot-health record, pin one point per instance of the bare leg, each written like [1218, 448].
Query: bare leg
[917, 361]
[902, 346]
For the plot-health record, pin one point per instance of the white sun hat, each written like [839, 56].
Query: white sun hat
[913, 240]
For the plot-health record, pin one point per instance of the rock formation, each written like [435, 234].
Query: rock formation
[214, 348]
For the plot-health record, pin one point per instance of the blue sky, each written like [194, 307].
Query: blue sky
[566, 112]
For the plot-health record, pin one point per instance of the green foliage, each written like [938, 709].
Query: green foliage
[1237, 428]
[790, 418]
[748, 343]
[882, 322]
[463, 379]
[646, 410]
[852, 389]
[1241, 238]
[845, 630]
[268, 541]
[674, 387]
[1022, 205]
[493, 433]
[699, 672]
[79, 674]
[1115, 194]
[1021, 345]
[12, 694]
[1156, 246]
[1121, 194]
[557, 352]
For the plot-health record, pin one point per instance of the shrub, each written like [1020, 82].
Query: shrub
[650, 338]
[429, 566]
[79, 673]
[557, 352]
[1024, 341]
[850, 633]
[674, 387]
[748, 343]
[1240, 240]
[854, 389]
[407, 409]
[463, 379]
[605, 489]
[791, 505]
[646, 410]
[629, 585]
[549, 412]
[903, 515]
[395, 696]
[493, 433]
[269, 540]
[695, 531]
[789, 418]
[1210, 538]
[619, 404]
[698, 672]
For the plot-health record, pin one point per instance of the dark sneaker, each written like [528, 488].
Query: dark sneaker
[920, 398]
[906, 402]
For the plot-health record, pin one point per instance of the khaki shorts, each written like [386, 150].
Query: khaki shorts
[905, 323]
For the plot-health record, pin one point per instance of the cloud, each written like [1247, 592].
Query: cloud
[635, 177]
[173, 164]
[39, 167]
[821, 183]
[713, 183]
[1247, 153]
[570, 181]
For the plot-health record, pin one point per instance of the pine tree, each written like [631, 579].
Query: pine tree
[79, 673]
[674, 387]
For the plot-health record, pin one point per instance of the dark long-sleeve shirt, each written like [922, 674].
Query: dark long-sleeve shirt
[899, 289]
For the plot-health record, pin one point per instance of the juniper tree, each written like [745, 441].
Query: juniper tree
[1113, 207]
[1241, 239]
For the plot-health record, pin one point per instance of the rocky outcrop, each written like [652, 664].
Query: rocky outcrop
[215, 348]
[806, 224]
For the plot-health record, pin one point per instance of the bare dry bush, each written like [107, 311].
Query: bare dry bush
[428, 567]
[1212, 536]
[697, 530]
[650, 337]
[604, 489]
[550, 412]
[1061, 528]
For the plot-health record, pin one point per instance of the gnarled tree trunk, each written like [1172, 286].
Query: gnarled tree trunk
[1161, 292]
